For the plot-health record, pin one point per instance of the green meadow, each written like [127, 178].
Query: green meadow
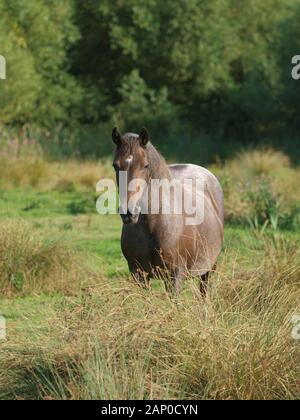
[78, 327]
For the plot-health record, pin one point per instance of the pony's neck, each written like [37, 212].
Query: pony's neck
[157, 164]
[159, 170]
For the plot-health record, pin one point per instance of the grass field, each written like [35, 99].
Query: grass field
[78, 327]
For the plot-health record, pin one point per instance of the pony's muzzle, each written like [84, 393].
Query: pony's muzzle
[131, 216]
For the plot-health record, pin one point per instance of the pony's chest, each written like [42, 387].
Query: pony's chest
[137, 243]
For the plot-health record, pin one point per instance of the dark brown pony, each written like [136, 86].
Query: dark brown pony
[165, 243]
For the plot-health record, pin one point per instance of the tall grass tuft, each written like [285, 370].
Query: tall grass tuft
[25, 164]
[261, 188]
[31, 263]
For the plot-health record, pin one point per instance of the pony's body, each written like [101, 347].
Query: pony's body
[159, 243]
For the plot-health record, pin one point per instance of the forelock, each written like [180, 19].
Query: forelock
[130, 137]
[131, 142]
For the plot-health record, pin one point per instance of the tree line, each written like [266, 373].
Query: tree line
[220, 65]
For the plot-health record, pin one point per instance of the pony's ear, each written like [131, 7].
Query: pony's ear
[116, 136]
[144, 136]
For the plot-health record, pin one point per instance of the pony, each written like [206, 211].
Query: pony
[166, 242]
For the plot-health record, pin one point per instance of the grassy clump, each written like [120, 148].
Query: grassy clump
[261, 189]
[74, 174]
[41, 174]
[31, 263]
[24, 164]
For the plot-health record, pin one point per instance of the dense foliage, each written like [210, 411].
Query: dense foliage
[222, 65]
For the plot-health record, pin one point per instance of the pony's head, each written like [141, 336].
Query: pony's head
[131, 164]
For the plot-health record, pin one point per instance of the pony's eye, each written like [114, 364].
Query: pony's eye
[146, 166]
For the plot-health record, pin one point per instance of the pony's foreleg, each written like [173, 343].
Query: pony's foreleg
[204, 284]
[204, 281]
[139, 276]
[174, 281]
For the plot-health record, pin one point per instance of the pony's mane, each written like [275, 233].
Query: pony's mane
[158, 166]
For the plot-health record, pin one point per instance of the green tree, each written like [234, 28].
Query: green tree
[35, 37]
[217, 60]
